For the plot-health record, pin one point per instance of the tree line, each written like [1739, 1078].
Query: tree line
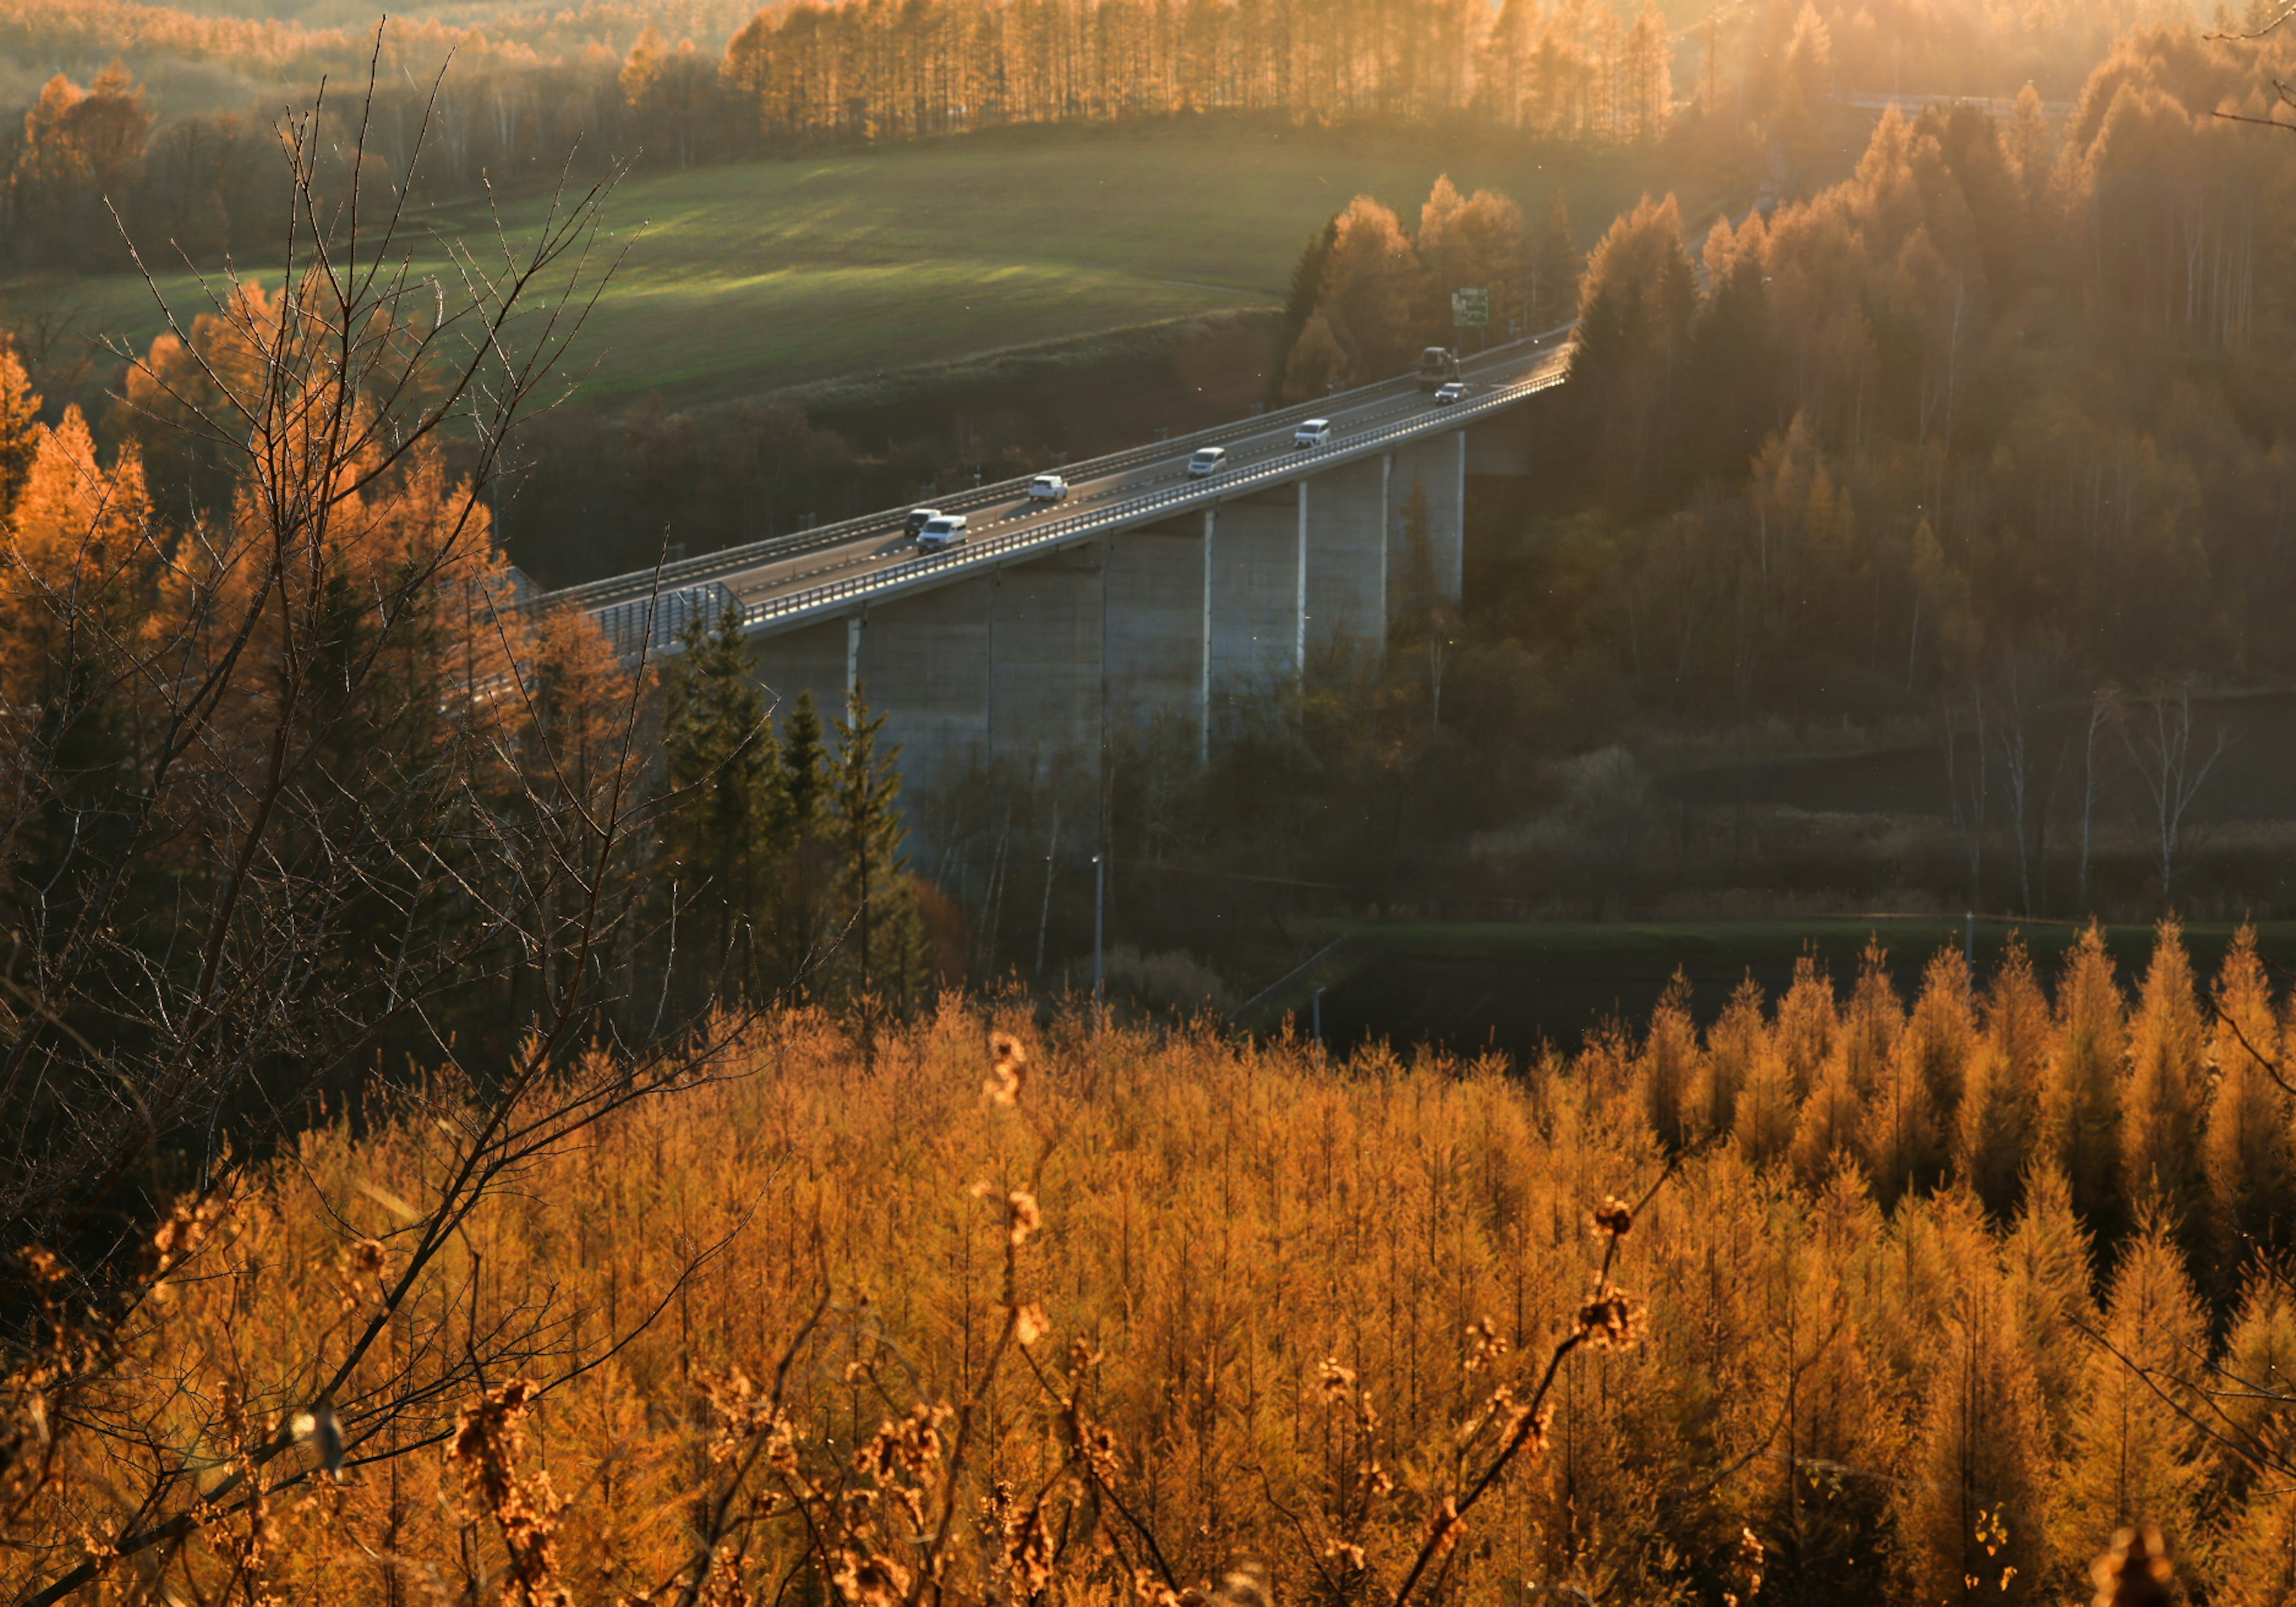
[1851, 1294]
[874, 69]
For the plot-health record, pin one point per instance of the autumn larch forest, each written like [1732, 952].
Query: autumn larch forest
[1745, 1056]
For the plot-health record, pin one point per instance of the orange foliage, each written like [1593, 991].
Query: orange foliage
[1234, 1252]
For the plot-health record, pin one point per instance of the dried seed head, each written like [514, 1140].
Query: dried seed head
[2136, 1573]
[1008, 1064]
[1244, 1585]
[1029, 1553]
[1338, 1381]
[1445, 1526]
[870, 1581]
[185, 1230]
[1608, 1321]
[362, 1263]
[1614, 1216]
[1527, 1429]
[319, 1429]
[1030, 1324]
[1022, 1218]
[487, 1442]
[781, 1449]
[907, 1447]
[1346, 1553]
[1149, 1591]
[1745, 1570]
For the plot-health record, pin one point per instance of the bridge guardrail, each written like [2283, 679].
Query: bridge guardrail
[822, 599]
[669, 577]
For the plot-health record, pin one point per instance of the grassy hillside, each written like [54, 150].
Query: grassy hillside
[768, 275]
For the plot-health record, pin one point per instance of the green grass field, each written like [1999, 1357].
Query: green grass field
[779, 273]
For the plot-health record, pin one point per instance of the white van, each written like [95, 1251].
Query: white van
[941, 531]
[1208, 460]
[1315, 432]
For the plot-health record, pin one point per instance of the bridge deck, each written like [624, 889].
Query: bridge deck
[785, 583]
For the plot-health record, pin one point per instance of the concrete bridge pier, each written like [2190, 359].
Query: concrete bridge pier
[1157, 649]
[1256, 601]
[1194, 618]
[1344, 521]
[926, 661]
[820, 658]
[1427, 526]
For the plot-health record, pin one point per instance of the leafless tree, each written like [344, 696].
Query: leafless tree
[1967, 787]
[2174, 762]
[2104, 712]
[2024, 679]
[339, 789]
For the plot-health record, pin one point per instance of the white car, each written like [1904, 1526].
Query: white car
[1315, 432]
[1208, 460]
[941, 531]
[1048, 488]
[1448, 394]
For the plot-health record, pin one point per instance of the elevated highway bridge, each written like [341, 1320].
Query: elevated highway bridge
[1146, 595]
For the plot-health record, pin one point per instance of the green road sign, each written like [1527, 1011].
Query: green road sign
[1471, 309]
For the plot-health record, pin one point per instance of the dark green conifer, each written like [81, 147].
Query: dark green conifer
[883, 938]
[722, 835]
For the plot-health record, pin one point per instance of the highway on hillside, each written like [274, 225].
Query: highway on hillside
[852, 551]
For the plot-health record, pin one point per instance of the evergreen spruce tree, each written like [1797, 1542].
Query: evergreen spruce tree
[2082, 1086]
[804, 767]
[882, 937]
[2168, 1095]
[2250, 1160]
[721, 835]
[1299, 305]
[807, 871]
